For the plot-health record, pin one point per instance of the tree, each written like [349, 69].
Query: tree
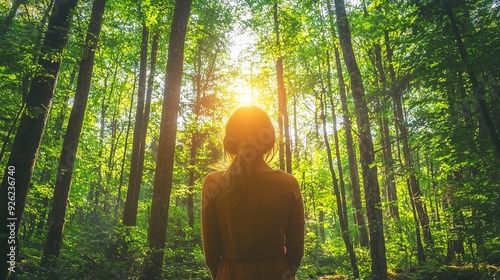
[284, 126]
[135, 179]
[57, 215]
[370, 180]
[27, 141]
[349, 141]
[168, 129]
[340, 199]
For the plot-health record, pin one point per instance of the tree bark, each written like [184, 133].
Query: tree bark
[57, 217]
[351, 155]
[162, 186]
[359, 217]
[369, 171]
[134, 183]
[29, 133]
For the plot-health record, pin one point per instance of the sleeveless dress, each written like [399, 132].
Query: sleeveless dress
[259, 238]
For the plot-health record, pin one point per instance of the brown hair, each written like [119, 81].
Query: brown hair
[249, 134]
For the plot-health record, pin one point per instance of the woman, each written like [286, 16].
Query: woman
[252, 214]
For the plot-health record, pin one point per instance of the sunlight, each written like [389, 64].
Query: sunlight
[246, 98]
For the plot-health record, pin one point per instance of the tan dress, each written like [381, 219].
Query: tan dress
[262, 237]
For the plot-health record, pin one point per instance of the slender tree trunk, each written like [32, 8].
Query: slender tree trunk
[134, 183]
[194, 141]
[200, 89]
[162, 186]
[412, 181]
[115, 136]
[49, 159]
[125, 147]
[283, 112]
[390, 180]
[321, 224]
[29, 133]
[344, 227]
[295, 131]
[370, 180]
[351, 155]
[387, 159]
[353, 170]
[192, 173]
[139, 163]
[432, 177]
[57, 217]
[359, 217]
[99, 186]
[335, 136]
[413, 184]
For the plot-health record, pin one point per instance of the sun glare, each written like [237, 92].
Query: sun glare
[244, 93]
[246, 98]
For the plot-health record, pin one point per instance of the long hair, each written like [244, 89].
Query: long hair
[249, 134]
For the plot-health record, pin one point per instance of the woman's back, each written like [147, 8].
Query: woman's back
[251, 231]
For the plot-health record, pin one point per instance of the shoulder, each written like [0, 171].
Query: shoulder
[213, 177]
[288, 177]
[212, 181]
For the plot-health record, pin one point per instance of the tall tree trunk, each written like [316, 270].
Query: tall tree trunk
[115, 136]
[29, 133]
[125, 146]
[295, 131]
[194, 140]
[387, 159]
[351, 155]
[359, 217]
[418, 208]
[192, 172]
[335, 135]
[57, 217]
[369, 171]
[413, 185]
[283, 111]
[162, 186]
[49, 159]
[344, 227]
[134, 183]
[99, 186]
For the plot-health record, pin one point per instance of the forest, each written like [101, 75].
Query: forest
[386, 111]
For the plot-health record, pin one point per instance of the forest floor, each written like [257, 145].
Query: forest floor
[469, 272]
